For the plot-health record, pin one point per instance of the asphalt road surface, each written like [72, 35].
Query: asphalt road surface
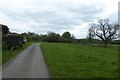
[28, 64]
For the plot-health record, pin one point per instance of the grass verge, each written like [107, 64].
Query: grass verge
[79, 61]
[7, 54]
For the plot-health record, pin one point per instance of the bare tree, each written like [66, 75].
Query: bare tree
[104, 30]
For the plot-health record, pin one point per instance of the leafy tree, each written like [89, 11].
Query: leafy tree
[66, 35]
[61, 39]
[52, 37]
[44, 38]
[31, 36]
[26, 36]
[104, 30]
[5, 29]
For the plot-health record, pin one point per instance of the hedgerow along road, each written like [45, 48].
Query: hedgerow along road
[28, 64]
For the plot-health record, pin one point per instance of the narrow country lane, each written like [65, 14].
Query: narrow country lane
[28, 64]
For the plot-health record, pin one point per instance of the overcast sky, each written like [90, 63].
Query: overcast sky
[41, 16]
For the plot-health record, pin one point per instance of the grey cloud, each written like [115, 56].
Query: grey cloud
[87, 9]
[82, 12]
[56, 19]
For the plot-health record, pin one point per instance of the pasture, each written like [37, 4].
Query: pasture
[78, 61]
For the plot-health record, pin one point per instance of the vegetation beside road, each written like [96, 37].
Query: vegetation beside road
[7, 54]
[66, 60]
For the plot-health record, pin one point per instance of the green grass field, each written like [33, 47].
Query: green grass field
[79, 61]
[7, 54]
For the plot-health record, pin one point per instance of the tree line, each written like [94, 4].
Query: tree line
[66, 37]
[102, 32]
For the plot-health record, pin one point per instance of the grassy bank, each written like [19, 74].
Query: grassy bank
[79, 61]
[7, 54]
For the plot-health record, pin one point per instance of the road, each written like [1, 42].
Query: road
[28, 64]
